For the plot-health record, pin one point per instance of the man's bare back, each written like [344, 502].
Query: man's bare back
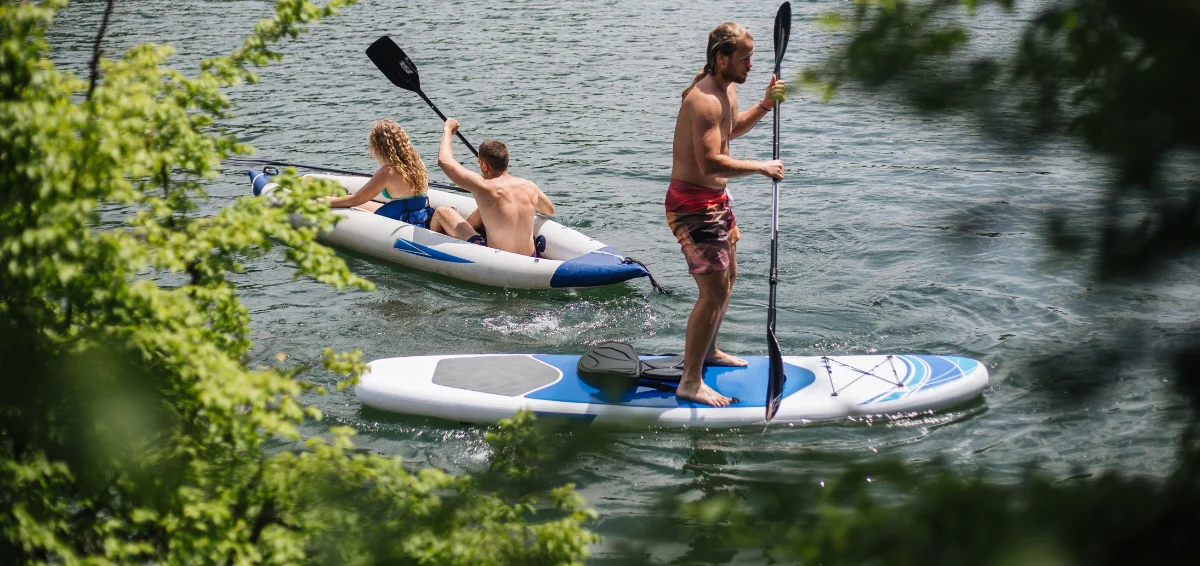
[506, 207]
[506, 203]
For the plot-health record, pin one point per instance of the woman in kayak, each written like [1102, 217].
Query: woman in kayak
[402, 179]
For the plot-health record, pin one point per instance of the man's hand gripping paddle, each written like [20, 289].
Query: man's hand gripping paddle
[399, 69]
[783, 28]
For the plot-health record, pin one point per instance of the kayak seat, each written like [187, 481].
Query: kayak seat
[413, 210]
[615, 369]
[667, 369]
[539, 244]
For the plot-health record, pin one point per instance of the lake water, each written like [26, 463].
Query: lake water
[900, 232]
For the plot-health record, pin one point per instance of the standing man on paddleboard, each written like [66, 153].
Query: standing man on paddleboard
[699, 211]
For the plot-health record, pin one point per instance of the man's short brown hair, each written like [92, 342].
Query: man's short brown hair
[495, 154]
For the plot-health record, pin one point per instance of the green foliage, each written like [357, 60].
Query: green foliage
[133, 431]
[890, 38]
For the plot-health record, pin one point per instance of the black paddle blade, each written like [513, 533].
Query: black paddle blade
[783, 29]
[396, 66]
[776, 376]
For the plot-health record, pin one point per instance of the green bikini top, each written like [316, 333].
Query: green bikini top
[390, 197]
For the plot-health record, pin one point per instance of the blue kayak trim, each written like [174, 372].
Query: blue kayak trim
[258, 179]
[601, 267]
[426, 251]
[748, 384]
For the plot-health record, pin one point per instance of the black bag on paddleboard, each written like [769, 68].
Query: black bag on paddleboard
[615, 369]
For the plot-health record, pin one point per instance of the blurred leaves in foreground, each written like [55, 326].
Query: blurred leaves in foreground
[884, 512]
[133, 430]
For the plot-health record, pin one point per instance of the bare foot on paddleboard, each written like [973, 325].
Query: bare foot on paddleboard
[719, 358]
[702, 394]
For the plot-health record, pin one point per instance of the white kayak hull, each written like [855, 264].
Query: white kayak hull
[571, 259]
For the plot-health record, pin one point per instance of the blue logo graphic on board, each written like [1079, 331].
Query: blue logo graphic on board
[425, 251]
[926, 372]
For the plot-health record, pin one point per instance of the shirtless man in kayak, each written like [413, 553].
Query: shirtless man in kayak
[506, 203]
[698, 208]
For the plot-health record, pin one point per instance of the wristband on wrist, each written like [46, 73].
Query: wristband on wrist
[765, 108]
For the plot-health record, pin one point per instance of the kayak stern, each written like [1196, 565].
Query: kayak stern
[604, 266]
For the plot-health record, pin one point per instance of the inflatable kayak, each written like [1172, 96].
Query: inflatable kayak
[484, 388]
[570, 259]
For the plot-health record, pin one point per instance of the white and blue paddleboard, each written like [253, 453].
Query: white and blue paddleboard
[484, 388]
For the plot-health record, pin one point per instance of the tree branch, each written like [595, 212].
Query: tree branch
[95, 64]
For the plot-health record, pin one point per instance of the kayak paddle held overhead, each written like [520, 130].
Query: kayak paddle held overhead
[783, 28]
[399, 69]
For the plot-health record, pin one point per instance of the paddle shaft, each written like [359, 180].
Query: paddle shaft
[774, 280]
[443, 117]
[298, 166]
[776, 361]
[329, 170]
[402, 72]
[776, 375]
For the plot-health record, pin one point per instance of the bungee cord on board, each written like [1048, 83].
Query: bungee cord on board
[863, 373]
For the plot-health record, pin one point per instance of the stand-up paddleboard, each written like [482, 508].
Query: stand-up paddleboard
[485, 388]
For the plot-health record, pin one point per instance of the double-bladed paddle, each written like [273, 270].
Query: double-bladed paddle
[261, 161]
[783, 28]
[399, 69]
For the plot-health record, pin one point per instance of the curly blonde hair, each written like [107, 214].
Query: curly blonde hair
[390, 145]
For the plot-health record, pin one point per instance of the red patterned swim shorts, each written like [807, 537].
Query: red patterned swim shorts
[702, 220]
